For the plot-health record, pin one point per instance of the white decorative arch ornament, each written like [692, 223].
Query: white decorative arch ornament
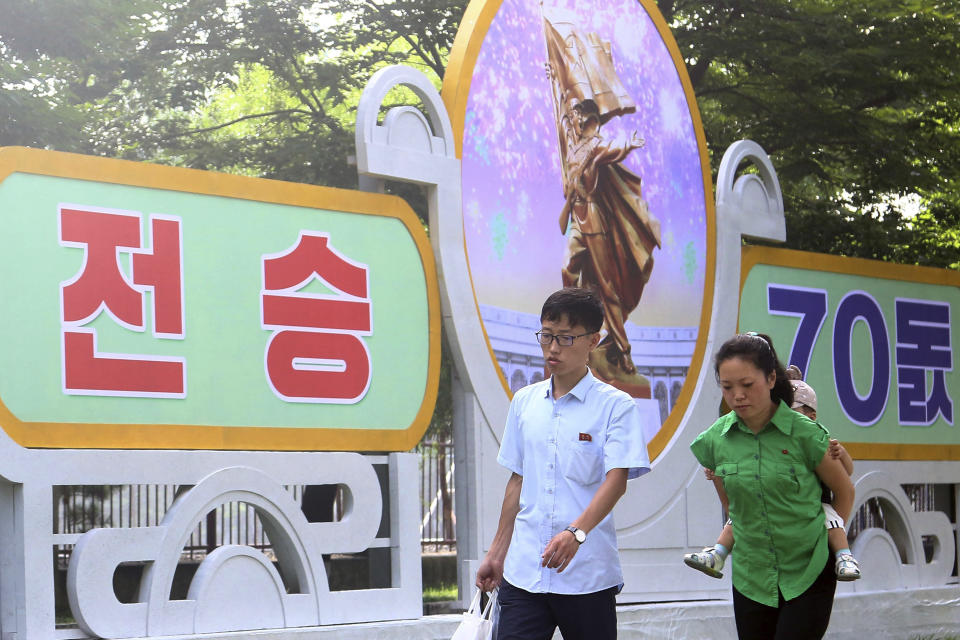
[231, 575]
[409, 146]
[236, 587]
[894, 557]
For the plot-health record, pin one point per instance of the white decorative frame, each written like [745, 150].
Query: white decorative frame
[227, 578]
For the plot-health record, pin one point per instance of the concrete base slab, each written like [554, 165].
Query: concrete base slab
[883, 615]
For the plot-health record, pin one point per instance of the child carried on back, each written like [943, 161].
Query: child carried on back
[711, 559]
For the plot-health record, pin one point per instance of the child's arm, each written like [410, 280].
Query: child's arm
[721, 493]
[838, 452]
[835, 477]
[718, 485]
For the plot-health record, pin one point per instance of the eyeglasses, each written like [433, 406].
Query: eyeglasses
[564, 341]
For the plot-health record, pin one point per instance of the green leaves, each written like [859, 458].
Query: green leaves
[258, 87]
[856, 101]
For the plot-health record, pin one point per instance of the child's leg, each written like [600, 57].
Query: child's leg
[726, 537]
[837, 539]
[847, 568]
[711, 559]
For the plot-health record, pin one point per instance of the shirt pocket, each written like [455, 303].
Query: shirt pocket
[583, 462]
[728, 473]
[786, 478]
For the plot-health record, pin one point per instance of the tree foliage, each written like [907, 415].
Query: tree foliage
[264, 88]
[51, 77]
[856, 101]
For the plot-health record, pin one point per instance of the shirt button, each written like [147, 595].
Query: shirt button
[759, 496]
[550, 466]
[756, 457]
[757, 476]
[549, 490]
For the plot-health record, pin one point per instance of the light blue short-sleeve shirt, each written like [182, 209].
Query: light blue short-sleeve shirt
[563, 449]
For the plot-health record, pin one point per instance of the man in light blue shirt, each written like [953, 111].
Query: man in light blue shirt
[571, 443]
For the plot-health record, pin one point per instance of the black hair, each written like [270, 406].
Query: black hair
[581, 307]
[757, 348]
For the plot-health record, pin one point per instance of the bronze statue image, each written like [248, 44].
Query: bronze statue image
[611, 232]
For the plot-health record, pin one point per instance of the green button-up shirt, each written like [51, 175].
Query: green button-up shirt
[778, 525]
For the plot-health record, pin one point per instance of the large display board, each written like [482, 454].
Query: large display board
[876, 341]
[153, 307]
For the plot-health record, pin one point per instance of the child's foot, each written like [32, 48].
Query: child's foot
[847, 568]
[708, 561]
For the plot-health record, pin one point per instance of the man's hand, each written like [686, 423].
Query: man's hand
[560, 551]
[489, 574]
[709, 474]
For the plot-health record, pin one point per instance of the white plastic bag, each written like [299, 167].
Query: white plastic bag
[476, 624]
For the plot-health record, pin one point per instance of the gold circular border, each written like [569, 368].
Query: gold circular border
[455, 93]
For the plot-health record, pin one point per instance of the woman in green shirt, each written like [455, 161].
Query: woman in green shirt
[770, 460]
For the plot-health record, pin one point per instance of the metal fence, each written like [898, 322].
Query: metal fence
[437, 520]
[77, 509]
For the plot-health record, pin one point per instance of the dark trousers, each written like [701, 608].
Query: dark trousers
[535, 616]
[804, 618]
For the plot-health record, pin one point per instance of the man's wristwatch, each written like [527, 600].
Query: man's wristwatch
[578, 534]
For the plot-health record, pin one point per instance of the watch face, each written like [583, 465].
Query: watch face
[580, 535]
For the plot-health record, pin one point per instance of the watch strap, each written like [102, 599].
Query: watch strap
[578, 534]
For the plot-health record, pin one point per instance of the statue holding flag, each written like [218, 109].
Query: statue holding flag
[611, 233]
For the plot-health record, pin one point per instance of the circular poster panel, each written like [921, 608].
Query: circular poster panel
[584, 164]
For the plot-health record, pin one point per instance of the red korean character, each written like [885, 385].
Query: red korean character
[316, 353]
[101, 285]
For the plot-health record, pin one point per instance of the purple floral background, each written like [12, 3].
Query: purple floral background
[512, 187]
